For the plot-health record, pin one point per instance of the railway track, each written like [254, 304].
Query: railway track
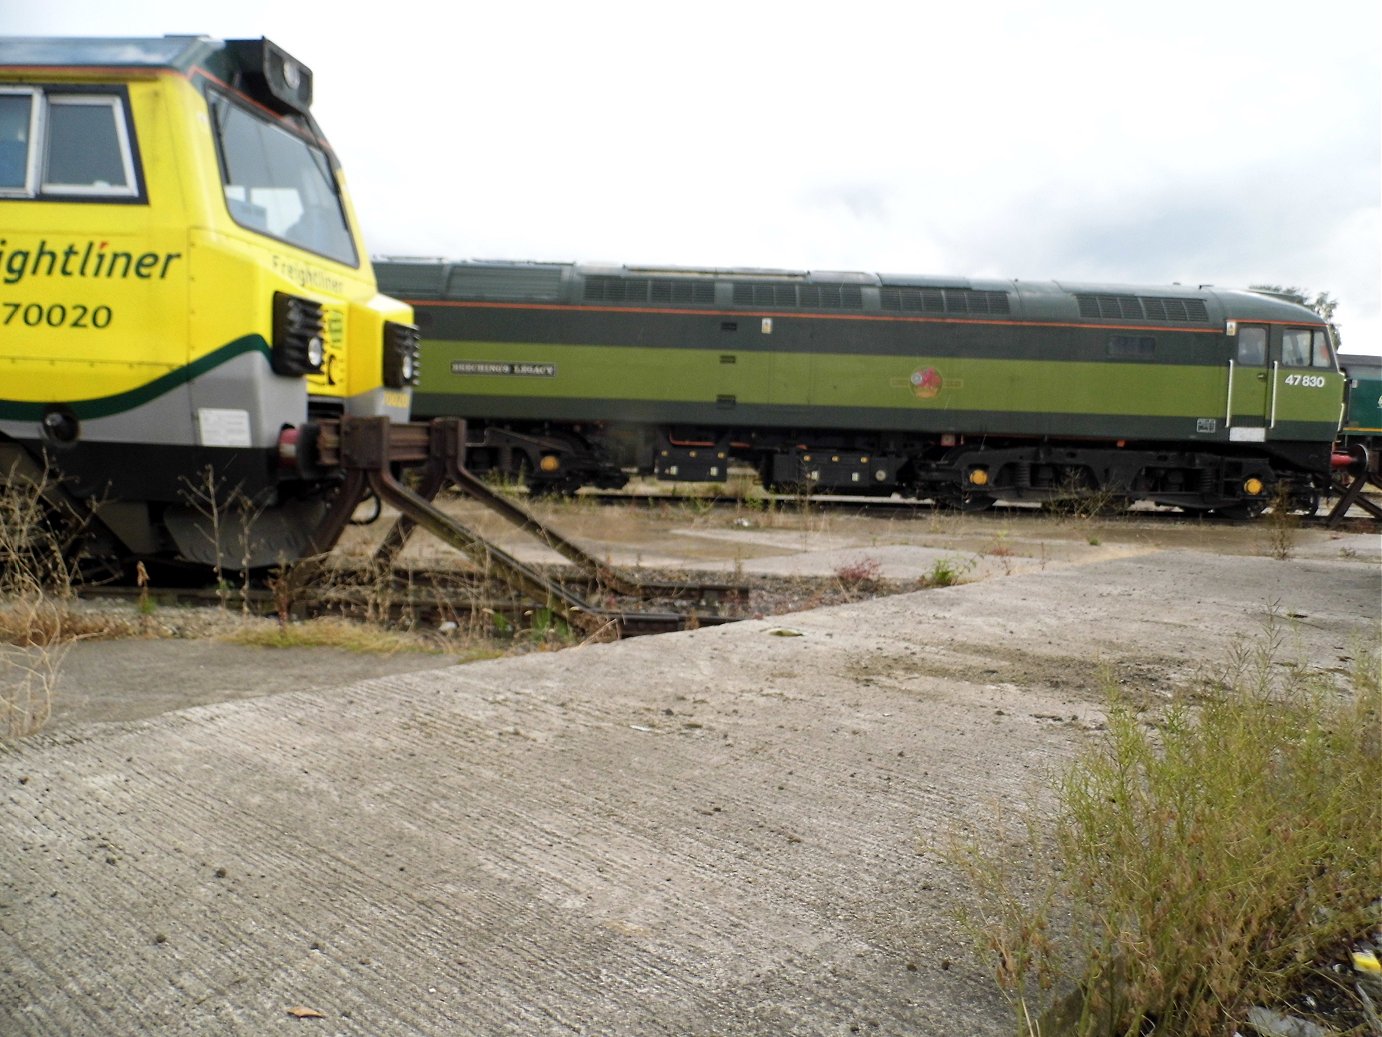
[899, 506]
[430, 594]
[433, 596]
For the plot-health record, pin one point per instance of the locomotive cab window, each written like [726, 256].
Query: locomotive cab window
[1295, 347]
[1252, 345]
[55, 143]
[1306, 347]
[280, 184]
[17, 117]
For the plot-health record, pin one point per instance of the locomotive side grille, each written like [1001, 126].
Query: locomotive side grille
[1183, 310]
[661, 290]
[670, 290]
[510, 284]
[1158, 309]
[955, 301]
[749, 293]
[832, 296]
[597, 289]
[1110, 307]
[942, 300]
[972, 300]
[1143, 307]
[605, 289]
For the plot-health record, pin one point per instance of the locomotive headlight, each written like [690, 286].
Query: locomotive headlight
[400, 355]
[299, 345]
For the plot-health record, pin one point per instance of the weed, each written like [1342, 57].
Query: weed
[27, 678]
[35, 588]
[38, 618]
[946, 572]
[1082, 497]
[345, 634]
[1198, 859]
[860, 577]
[1002, 550]
[1281, 525]
[550, 630]
[699, 506]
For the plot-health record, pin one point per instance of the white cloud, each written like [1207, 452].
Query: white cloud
[1207, 141]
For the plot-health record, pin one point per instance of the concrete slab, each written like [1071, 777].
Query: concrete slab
[723, 831]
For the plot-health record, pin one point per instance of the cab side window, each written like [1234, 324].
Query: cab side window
[1306, 347]
[88, 152]
[63, 143]
[17, 109]
[1295, 347]
[1323, 355]
[1252, 346]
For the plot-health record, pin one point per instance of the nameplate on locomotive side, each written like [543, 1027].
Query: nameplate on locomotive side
[524, 370]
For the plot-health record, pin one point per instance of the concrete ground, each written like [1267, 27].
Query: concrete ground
[723, 831]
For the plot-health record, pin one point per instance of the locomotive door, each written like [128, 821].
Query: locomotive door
[1249, 385]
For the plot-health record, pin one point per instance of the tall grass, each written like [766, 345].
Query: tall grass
[34, 583]
[1198, 860]
[39, 622]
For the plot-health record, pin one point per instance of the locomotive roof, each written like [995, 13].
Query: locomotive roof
[260, 66]
[515, 280]
[175, 52]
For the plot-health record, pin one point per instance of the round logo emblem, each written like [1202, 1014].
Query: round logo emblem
[926, 383]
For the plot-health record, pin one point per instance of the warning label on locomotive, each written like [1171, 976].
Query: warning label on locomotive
[497, 367]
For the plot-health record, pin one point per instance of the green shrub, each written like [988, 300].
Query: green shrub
[946, 572]
[1198, 860]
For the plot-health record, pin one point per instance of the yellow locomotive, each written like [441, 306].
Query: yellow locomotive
[184, 297]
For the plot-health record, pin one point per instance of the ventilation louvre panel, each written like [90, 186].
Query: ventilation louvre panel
[661, 290]
[518, 284]
[944, 300]
[1143, 307]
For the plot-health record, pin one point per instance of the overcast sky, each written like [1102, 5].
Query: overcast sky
[1228, 143]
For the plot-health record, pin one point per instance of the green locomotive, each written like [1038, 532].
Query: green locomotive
[961, 391]
[1363, 415]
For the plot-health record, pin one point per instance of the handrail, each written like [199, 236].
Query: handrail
[1228, 407]
[1276, 367]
